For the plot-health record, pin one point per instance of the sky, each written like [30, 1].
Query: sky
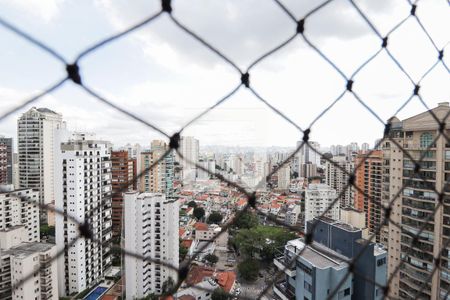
[166, 77]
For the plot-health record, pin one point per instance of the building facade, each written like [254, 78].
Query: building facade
[18, 208]
[368, 194]
[151, 230]
[6, 160]
[317, 270]
[123, 174]
[21, 261]
[159, 178]
[84, 193]
[318, 198]
[37, 143]
[189, 148]
[416, 209]
[336, 177]
[284, 177]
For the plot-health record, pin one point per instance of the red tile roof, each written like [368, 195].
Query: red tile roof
[186, 297]
[197, 273]
[201, 226]
[241, 202]
[181, 232]
[187, 243]
[226, 280]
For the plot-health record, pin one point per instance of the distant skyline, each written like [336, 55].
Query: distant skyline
[167, 77]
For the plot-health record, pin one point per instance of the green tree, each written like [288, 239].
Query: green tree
[192, 203]
[47, 230]
[199, 213]
[214, 218]
[249, 269]
[262, 241]
[247, 220]
[220, 294]
[211, 258]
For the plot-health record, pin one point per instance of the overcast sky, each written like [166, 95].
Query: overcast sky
[167, 77]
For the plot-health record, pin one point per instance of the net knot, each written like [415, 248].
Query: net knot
[166, 6]
[174, 142]
[301, 26]
[245, 79]
[73, 72]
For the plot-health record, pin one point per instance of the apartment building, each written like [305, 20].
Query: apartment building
[83, 192]
[159, 178]
[316, 270]
[123, 174]
[336, 177]
[318, 198]
[37, 143]
[284, 177]
[18, 208]
[23, 260]
[368, 179]
[151, 230]
[189, 148]
[3, 165]
[416, 209]
[6, 160]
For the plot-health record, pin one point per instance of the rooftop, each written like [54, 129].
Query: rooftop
[27, 249]
[339, 224]
[317, 255]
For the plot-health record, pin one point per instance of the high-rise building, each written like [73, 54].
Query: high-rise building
[21, 253]
[284, 177]
[365, 147]
[151, 230]
[368, 194]
[314, 271]
[307, 159]
[37, 143]
[159, 178]
[318, 198]
[123, 174]
[19, 262]
[83, 180]
[189, 148]
[308, 170]
[336, 177]
[3, 165]
[421, 225]
[18, 208]
[208, 164]
[6, 160]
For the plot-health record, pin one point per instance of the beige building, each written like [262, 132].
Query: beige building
[27, 259]
[158, 179]
[416, 207]
[356, 218]
[18, 208]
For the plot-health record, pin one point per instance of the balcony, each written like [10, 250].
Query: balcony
[283, 264]
[282, 291]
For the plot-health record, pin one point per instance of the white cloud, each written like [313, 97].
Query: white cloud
[47, 10]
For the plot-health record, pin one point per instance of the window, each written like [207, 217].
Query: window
[308, 286]
[426, 139]
[381, 261]
[347, 292]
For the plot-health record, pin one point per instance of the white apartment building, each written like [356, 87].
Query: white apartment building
[21, 261]
[189, 148]
[151, 230]
[208, 164]
[284, 177]
[337, 179]
[17, 208]
[318, 197]
[36, 139]
[83, 182]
